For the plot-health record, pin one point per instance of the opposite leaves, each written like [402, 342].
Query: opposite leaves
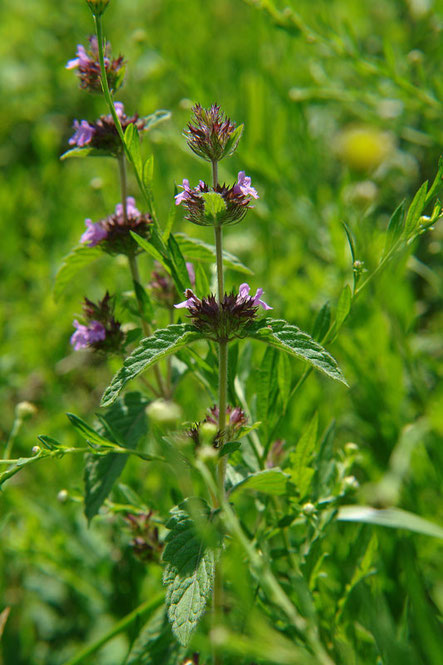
[289, 338]
[163, 343]
[190, 570]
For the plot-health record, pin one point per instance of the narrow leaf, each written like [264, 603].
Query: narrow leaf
[132, 142]
[146, 304]
[75, 261]
[163, 343]
[156, 118]
[190, 570]
[343, 307]
[150, 249]
[395, 518]
[416, 209]
[395, 227]
[269, 481]
[292, 340]
[193, 248]
[87, 432]
[351, 241]
[86, 152]
[322, 322]
[179, 264]
[437, 181]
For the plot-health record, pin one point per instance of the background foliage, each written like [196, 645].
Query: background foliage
[302, 83]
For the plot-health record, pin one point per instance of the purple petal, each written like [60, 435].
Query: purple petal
[256, 300]
[191, 272]
[94, 234]
[83, 133]
[131, 210]
[243, 291]
[119, 109]
[182, 196]
[244, 185]
[190, 301]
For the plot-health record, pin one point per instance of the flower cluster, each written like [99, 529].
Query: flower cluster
[225, 320]
[102, 134]
[145, 541]
[101, 331]
[113, 232]
[88, 67]
[217, 206]
[212, 136]
[235, 420]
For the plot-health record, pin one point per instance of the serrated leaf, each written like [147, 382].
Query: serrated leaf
[269, 481]
[322, 322]
[190, 570]
[193, 248]
[86, 152]
[155, 644]
[300, 471]
[394, 518]
[292, 340]
[125, 423]
[76, 260]
[161, 344]
[416, 209]
[343, 307]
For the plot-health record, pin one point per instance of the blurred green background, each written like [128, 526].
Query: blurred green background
[342, 105]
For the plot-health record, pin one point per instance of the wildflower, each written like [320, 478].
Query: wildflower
[102, 134]
[145, 541]
[113, 232]
[227, 319]
[216, 206]
[87, 65]
[235, 420]
[86, 336]
[212, 136]
[101, 332]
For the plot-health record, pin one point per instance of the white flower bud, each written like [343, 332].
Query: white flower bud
[351, 483]
[164, 414]
[25, 410]
[36, 450]
[62, 496]
[208, 432]
[208, 454]
[309, 508]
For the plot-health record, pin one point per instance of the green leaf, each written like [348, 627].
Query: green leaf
[126, 423]
[229, 447]
[71, 264]
[351, 241]
[214, 205]
[267, 391]
[87, 432]
[148, 173]
[155, 644]
[146, 304]
[132, 141]
[151, 349]
[395, 227]
[437, 181]
[155, 119]
[49, 442]
[292, 340]
[190, 570]
[284, 376]
[172, 218]
[322, 322]
[269, 481]
[395, 518]
[301, 472]
[86, 152]
[343, 307]
[150, 249]
[416, 209]
[193, 248]
[179, 264]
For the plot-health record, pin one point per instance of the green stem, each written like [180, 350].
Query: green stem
[123, 185]
[219, 259]
[147, 606]
[12, 436]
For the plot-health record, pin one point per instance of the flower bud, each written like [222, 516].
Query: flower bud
[25, 410]
[350, 448]
[309, 509]
[208, 432]
[164, 414]
[350, 483]
[62, 496]
[208, 454]
[97, 7]
[36, 450]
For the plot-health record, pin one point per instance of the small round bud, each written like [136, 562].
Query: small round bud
[97, 7]
[351, 483]
[208, 454]
[309, 509]
[163, 413]
[25, 410]
[62, 496]
[36, 450]
[208, 432]
[351, 448]
[363, 148]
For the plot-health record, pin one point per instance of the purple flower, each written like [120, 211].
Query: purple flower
[83, 133]
[131, 210]
[88, 67]
[95, 233]
[85, 336]
[244, 186]
[191, 300]
[243, 296]
[81, 60]
[185, 194]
